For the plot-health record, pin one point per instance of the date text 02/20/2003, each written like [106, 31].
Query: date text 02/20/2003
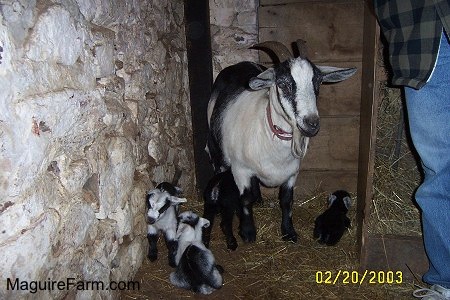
[355, 277]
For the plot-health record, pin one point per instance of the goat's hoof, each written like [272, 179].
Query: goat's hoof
[248, 235]
[152, 256]
[232, 245]
[290, 237]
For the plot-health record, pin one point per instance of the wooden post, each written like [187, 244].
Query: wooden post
[367, 134]
[199, 54]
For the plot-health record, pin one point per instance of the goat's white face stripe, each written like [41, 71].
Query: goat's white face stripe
[303, 74]
[297, 91]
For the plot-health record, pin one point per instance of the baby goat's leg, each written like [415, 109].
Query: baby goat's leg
[286, 197]
[210, 207]
[152, 236]
[227, 214]
[172, 247]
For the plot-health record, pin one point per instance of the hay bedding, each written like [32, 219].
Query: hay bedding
[396, 174]
[271, 268]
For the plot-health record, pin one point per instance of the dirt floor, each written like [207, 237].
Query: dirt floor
[273, 269]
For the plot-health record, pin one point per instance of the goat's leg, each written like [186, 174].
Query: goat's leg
[243, 181]
[152, 236]
[247, 229]
[286, 197]
[226, 224]
[210, 207]
[209, 213]
[256, 189]
[172, 247]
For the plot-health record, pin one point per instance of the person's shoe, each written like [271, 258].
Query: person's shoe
[435, 292]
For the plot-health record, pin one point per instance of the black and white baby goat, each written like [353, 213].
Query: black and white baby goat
[332, 223]
[196, 268]
[221, 196]
[162, 204]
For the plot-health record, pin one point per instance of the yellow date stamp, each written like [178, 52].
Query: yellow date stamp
[356, 277]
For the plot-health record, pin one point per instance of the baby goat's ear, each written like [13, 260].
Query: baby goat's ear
[175, 200]
[204, 223]
[347, 202]
[331, 199]
[333, 74]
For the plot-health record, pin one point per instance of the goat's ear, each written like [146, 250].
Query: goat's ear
[333, 74]
[204, 222]
[331, 199]
[176, 200]
[347, 202]
[264, 80]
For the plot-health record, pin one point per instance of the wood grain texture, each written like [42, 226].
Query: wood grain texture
[335, 147]
[333, 31]
[314, 182]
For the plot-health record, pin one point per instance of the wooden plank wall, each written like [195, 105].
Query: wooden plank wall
[333, 31]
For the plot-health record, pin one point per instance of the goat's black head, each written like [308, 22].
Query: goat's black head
[340, 199]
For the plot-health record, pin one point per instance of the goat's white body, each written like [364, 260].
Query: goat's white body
[249, 145]
[187, 235]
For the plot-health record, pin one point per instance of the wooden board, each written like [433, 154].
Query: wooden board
[335, 147]
[396, 253]
[315, 181]
[311, 183]
[333, 31]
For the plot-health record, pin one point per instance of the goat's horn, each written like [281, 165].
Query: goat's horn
[280, 50]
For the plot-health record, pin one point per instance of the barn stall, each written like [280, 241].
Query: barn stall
[103, 100]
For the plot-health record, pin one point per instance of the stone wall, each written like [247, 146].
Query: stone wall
[234, 28]
[94, 111]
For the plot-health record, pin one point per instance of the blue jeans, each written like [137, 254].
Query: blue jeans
[429, 122]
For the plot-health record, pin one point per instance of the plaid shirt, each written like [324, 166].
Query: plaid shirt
[413, 29]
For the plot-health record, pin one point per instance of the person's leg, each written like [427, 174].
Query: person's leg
[429, 122]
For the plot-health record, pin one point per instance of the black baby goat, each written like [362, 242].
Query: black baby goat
[332, 223]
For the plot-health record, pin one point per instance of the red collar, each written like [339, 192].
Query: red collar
[277, 131]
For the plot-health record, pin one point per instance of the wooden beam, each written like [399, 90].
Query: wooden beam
[199, 54]
[367, 133]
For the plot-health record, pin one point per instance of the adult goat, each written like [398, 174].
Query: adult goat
[260, 121]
